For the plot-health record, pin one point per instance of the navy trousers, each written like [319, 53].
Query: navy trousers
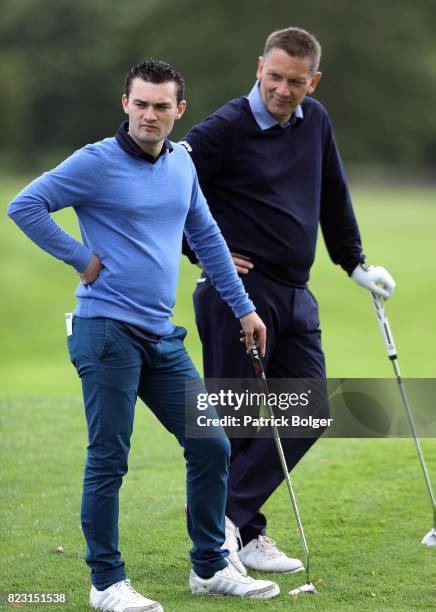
[115, 366]
[293, 351]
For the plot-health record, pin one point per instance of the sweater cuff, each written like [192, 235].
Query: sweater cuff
[80, 258]
[243, 310]
[351, 264]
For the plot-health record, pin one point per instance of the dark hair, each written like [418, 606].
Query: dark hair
[297, 43]
[156, 71]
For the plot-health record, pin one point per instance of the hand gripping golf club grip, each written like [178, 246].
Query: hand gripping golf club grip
[383, 324]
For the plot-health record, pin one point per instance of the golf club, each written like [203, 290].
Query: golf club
[260, 375]
[430, 538]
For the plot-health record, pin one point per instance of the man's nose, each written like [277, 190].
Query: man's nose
[283, 90]
[149, 114]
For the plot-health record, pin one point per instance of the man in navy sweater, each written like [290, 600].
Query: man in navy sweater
[134, 196]
[271, 172]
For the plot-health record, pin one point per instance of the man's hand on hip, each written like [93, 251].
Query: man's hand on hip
[242, 262]
[92, 271]
[253, 329]
[375, 278]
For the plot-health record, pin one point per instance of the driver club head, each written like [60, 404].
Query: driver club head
[306, 588]
[430, 538]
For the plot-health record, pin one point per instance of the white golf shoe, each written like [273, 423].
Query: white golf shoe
[232, 541]
[122, 597]
[229, 581]
[264, 555]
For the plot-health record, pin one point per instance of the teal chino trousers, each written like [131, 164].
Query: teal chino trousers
[115, 367]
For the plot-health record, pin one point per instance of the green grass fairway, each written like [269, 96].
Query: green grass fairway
[363, 502]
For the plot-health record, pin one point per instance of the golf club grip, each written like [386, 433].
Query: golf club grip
[383, 324]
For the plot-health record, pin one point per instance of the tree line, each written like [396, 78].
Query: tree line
[62, 67]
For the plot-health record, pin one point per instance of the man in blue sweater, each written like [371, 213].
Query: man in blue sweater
[134, 196]
[271, 172]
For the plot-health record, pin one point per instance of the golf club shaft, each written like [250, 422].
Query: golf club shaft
[392, 354]
[415, 437]
[282, 457]
[260, 374]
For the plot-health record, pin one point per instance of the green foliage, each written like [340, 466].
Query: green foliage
[62, 66]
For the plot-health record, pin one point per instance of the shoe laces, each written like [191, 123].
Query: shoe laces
[269, 547]
[126, 590]
[231, 573]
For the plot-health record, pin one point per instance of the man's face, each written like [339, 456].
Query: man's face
[152, 109]
[284, 81]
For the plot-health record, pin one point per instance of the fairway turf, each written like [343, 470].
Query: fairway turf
[363, 502]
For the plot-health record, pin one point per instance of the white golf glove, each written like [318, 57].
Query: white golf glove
[375, 278]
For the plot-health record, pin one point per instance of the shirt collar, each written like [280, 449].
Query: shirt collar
[127, 143]
[263, 118]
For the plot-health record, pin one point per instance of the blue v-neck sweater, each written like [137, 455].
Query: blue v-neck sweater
[132, 215]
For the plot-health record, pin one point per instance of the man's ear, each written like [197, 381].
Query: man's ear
[181, 107]
[260, 63]
[124, 102]
[314, 82]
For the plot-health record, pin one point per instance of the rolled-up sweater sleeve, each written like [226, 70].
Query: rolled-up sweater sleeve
[205, 239]
[72, 183]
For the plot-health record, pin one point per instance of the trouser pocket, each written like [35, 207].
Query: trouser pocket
[88, 339]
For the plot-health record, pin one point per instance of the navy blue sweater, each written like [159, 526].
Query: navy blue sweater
[268, 189]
